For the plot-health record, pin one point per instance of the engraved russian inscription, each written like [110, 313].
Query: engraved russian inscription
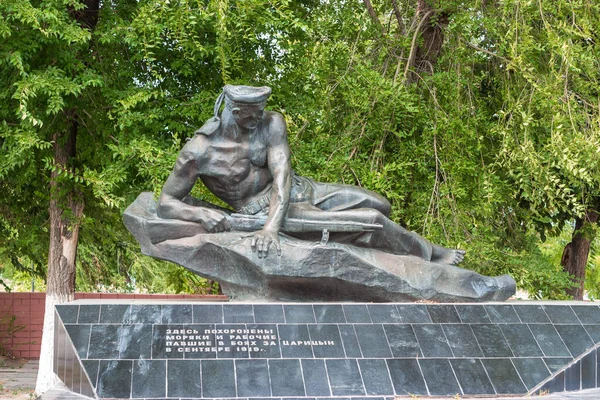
[214, 341]
[211, 339]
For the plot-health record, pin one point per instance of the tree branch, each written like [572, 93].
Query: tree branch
[398, 17]
[474, 46]
[374, 16]
[413, 45]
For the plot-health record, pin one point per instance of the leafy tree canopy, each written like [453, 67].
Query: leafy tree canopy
[478, 120]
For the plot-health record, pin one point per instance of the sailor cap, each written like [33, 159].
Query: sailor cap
[247, 94]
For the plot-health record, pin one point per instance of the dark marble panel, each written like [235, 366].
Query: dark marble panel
[575, 337]
[549, 340]
[145, 314]
[267, 342]
[532, 314]
[597, 367]
[136, 341]
[91, 369]
[218, 378]
[432, 340]
[268, 313]
[252, 378]
[286, 378]
[80, 336]
[376, 377]
[344, 378]
[556, 363]
[473, 313]
[226, 348]
[183, 378]
[589, 314]
[491, 340]
[160, 349]
[86, 386]
[329, 313]
[289, 335]
[413, 313]
[532, 371]
[299, 314]
[384, 313]
[176, 314]
[69, 364]
[462, 340]
[472, 376]
[521, 340]
[114, 313]
[60, 340]
[439, 377]
[443, 314]
[104, 342]
[561, 314]
[238, 313]
[504, 376]
[369, 398]
[573, 377]
[588, 371]
[402, 340]
[149, 379]
[351, 347]
[326, 334]
[202, 341]
[406, 377]
[502, 313]
[114, 378]
[357, 314]
[594, 332]
[208, 314]
[88, 314]
[68, 313]
[315, 378]
[555, 385]
[372, 341]
[78, 377]
[260, 398]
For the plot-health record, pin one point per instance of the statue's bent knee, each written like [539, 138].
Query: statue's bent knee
[383, 205]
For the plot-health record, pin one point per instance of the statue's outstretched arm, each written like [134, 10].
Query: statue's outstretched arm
[178, 185]
[278, 159]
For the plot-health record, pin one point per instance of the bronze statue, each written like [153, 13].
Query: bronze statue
[243, 157]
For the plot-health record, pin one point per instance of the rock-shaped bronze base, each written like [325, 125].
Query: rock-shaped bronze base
[307, 271]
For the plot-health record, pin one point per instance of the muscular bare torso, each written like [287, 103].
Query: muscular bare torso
[235, 169]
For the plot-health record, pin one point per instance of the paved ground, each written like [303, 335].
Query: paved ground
[19, 384]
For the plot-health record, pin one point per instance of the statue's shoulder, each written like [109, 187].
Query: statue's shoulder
[274, 117]
[209, 127]
[276, 123]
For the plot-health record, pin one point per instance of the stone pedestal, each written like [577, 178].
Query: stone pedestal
[330, 350]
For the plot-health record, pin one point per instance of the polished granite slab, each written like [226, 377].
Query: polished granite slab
[333, 350]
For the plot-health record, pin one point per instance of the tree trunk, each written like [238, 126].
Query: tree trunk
[66, 211]
[423, 56]
[65, 216]
[374, 16]
[575, 254]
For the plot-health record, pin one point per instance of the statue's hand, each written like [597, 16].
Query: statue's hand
[261, 241]
[215, 221]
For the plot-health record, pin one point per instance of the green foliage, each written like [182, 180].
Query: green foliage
[488, 146]
[592, 276]
[9, 328]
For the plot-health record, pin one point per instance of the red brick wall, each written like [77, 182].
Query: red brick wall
[29, 311]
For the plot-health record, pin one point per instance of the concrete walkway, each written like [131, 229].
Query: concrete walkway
[18, 383]
[21, 378]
